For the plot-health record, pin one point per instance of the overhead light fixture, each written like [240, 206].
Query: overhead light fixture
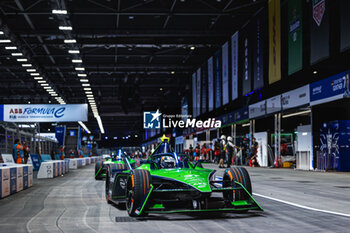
[172, 72]
[90, 95]
[82, 75]
[84, 80]
[65, 28]
[43, 81]
[245, 125]
[88, 92]
[27, 65]
[87, 89]
[192, 48]
[59, 12]
[85, 84]
[77, 61]
[5, 41]
[73, 51]
[44, 84]
[161, 89]
[314, 72]
[49, 90]
[54, 94]
[296, 114]
[70, 41]
[99, 121]
[84, 127]
[31, 70]
[79, 68]
[22, 59]
[1, 33]
[47, 87]
[38, 78]
[17, 54]
[34, 74]
[10, 47]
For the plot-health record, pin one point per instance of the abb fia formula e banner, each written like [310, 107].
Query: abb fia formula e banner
[234, 60]
[194, 94]
[225, 85]
[44, 112]
[210, 84]
[274, 41]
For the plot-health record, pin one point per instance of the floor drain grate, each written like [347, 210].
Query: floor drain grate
[343, 187]
[127, 219]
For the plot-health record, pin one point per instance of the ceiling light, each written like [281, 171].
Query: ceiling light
[44, 84]
[30, 70]
[27, 65]
[99, 121]
[49, 90]
[43, 81]
[77, 61]
[70, 41]
[5, 41]
[84, 80]
[79, 68]
[297, 114]
[131, 17]
[87, 89]
[192, 48]
[65, 28]
[172, 72]
[22, 59]
[84, 127]
[73, 51]
[38, 78]
[59, 12]
[34, 74]
[161, 89]
[85, 84]
[90, 95]
[88, 92]
[47, 87]
[1, 33]
[315, 72]
[54, 94]
[81, 75]
[11, 47]
[17, 54]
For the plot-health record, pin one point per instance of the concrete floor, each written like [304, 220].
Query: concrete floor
[76, 203]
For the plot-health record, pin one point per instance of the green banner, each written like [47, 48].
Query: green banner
[295, 38]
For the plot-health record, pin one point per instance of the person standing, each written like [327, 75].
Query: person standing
[254, 153]
[62, 155]
[222, 151]
[18, 152]
[230, 147]
[26, 151]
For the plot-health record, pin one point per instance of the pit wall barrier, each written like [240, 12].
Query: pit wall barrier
[15, 178]
[52, 169]
[81, 162]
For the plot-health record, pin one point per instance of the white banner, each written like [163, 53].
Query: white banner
[210, 84]
[45, 112]
[296, 98]
[199, 84]
[257, 109]
[273, 104]
[194, 94]
[225, 87]
[234, 50]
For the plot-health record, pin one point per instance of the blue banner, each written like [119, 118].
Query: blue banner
[217, 78]
[1, 112]
[242, 114]
[225, 84]
[328, 90]
[204, 88]
[258, 44]
[60, 133]
[194, 94]
[35, 161]
[210, 85]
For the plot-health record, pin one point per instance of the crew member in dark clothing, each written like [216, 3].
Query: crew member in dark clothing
[254, 153]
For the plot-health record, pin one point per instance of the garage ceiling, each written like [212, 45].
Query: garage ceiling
[137, 54]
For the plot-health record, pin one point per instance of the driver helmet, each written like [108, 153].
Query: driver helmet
[230, 139]
[223, 137]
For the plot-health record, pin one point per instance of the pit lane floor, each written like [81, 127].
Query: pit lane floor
[76, 203]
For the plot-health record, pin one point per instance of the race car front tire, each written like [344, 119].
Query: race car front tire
[240, 175]
[108, 188]
[138, 185]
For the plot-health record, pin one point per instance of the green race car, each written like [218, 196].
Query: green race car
[118, 160]
[169, 183]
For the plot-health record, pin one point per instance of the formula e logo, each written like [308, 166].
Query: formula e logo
[151, 120]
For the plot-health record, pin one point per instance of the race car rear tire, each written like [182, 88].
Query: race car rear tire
[107, 190]
[240, 175]
[98, 165]
[138, 185]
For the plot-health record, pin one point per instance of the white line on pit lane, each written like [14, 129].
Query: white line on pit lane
[296, 205]
[302, 206]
